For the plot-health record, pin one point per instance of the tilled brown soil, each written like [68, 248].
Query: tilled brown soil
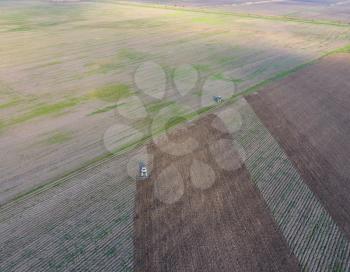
[187, 220]
[308, 114]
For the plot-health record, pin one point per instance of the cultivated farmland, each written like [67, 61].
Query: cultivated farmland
[90, 89]
[103, 219]
[214, 204]
[311, 233]
[60, 62]
[312, 123]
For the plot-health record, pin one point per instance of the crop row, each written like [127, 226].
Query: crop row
[86, 225]
[310, 232]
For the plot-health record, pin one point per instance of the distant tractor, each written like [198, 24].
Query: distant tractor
[218, 99]
[143, 173]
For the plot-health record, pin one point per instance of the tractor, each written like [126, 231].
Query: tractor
[143, 173]
[218, 99]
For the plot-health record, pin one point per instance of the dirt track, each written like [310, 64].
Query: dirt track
[198, 225]
[308, 113]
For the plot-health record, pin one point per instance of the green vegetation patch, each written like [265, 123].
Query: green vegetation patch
[204, 68]
[131, 54]
[2, 126]
[20, 29]
[107, 67]
[46, 109]
[9, 104]
[103, 68]
[220, 76]
[156, 107]
[212, 19]
[173, 121]
[112, 92]
[59, 137]
[122, 59]
[107, 108]
[345, 49]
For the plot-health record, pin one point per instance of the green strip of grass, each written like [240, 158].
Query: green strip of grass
[20, 29]
[59, 138]
[156, 107]
[131, 54]
[345, 49]
[103, 158]
[204, 68]
[112, 92]
[45, 109]
[124, 57]
[220, 76]
[106, 109]
[108, 93]
[90, 164]
[190, 116]
[2, 126]
[9, 104]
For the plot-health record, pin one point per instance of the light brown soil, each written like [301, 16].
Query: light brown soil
[308, 114]
[224, 226]
[57, 52]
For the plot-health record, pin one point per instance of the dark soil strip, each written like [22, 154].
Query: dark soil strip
[225, 227]
[308, 114]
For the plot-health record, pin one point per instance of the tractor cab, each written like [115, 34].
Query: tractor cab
[143, 173]
[218, 99]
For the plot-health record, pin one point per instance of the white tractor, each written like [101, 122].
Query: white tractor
[143, 173]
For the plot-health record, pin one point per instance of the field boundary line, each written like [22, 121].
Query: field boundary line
[235, 14]
[146, 139]
[283, 74]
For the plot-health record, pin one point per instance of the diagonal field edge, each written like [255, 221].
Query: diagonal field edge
[192, 116]
[309, 230]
